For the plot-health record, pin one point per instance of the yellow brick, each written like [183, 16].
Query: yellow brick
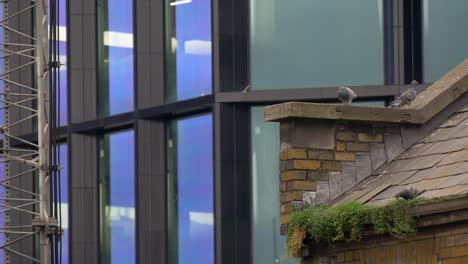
[340, 146]
[364, 137]
[306, 164]
[320, 154]
[283, 186]
[283, 155]
[284, 219]
[331, 166]
[346, 136]
[459, 251]
[302, 185]
[293, 154]
[293, 175]
[345, 156]
[298, 154]
[291, 196]
[286, 208]
[358, 147]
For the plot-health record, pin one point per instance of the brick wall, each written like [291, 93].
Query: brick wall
[322, 160]
[442, 245]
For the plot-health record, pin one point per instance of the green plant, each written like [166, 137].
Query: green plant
[348, 222]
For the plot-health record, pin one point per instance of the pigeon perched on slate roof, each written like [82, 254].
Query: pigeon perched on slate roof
[404, 99]
[346, 95]
[408, 194]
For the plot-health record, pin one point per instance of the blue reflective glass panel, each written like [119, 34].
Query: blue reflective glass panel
[188, 49]
[116, 74]
[191, 228]
[445, 42]
[63, 152]
[118, 198]
[63, 53]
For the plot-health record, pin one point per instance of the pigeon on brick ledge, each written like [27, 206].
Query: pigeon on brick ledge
[404, 99]
[346, 95]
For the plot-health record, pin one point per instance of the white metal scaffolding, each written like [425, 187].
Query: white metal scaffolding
[30, 220]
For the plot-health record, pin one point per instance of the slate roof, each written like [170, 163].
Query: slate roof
[437, 166]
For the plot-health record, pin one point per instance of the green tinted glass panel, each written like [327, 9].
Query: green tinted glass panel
[316, 43]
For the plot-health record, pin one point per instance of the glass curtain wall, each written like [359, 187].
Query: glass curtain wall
[316, 43]
[63, 153]
[190, 191]
[445, 42]
[62, 44]
[117, 198]
[267, 242]
[188, 49]
[115, 57]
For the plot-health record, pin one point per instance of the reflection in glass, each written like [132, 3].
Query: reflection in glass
[116, 71]
[117, 198]
[63, 152]
[316, 43]
[190, 191]
[268, 244]
[188, 49]
[444, 36]
[63, 60]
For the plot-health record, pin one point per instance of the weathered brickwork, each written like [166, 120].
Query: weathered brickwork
[317, 167]
[444, 245]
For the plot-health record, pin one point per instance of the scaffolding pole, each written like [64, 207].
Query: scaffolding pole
[29, 101]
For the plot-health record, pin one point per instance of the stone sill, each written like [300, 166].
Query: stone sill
[426, 105]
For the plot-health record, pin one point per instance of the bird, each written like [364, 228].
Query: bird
[345, 94]
[408, 193]
[246, 89]
[404, 99]
[414, 82]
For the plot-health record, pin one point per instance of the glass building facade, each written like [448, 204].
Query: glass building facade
[190, 190]
[316, 43]
[117, 198]
[116, 70]
[166, 156]
[188, 49]
[445, 46]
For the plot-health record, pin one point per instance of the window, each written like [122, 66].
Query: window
[316, 43]
[190, 190]
[62, 45]
[117, 198]
[63, 153]
[267, 242]
[115, 50]
[445, 42]
[188, 49]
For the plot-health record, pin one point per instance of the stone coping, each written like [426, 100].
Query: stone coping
[426, 105]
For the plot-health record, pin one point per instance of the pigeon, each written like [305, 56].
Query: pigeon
[346, 95]
[408, 194]
[404, 99]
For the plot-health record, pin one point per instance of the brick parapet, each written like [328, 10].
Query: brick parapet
[316, 168]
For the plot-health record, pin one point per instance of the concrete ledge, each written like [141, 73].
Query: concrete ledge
[428, 103]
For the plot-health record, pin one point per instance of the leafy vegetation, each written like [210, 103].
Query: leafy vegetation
[348, 222]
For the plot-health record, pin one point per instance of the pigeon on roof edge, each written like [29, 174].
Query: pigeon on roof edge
[404, 99]
[346, 95]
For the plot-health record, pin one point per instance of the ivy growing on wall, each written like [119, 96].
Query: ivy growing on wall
[348, 222]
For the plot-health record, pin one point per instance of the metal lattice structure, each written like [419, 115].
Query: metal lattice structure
[28, 206]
